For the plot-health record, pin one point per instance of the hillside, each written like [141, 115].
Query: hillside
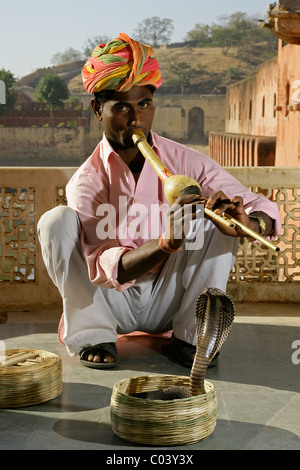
[217, 70]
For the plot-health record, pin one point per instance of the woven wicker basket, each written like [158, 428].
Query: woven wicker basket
[29, 377]
[160, 422]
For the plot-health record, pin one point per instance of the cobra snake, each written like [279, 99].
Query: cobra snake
[213, 317]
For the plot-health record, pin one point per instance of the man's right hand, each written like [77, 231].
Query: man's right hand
[179, 215]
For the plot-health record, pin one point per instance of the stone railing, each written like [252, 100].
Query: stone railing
[242, 150]
[259, 273]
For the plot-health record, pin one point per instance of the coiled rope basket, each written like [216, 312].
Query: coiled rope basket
[161, 422]
[29, 377]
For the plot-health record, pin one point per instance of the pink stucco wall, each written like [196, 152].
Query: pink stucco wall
[288, 115]
[250, 103]
[268, 104]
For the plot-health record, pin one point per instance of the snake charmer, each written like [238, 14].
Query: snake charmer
[118, 253]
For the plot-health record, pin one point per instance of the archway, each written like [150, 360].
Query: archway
[196, 125]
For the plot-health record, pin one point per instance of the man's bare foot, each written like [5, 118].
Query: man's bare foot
[100, 356]
[105, 358]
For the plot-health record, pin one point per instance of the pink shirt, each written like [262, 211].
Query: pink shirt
[104, 183]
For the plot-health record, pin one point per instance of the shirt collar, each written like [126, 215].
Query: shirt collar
[108, 151]
[155, 142]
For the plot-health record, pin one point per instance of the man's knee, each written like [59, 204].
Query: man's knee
[57, 221]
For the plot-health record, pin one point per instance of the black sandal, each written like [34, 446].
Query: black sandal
[101, 348]
[182, 352]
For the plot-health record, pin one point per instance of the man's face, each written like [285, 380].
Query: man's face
[125, 112]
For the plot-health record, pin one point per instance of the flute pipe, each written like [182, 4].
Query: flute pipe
[163, 173]
[232, 223]
[253, 234]
[141, 142]
[220, 218]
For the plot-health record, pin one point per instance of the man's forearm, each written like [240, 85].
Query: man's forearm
[135, 263]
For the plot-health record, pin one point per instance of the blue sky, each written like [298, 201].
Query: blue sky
[32, 31]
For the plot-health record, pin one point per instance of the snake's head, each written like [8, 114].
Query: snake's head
[214, 317]
[213, 291]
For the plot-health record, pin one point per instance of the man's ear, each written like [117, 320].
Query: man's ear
[97, 109]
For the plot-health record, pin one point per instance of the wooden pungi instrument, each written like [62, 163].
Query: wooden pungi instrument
[174, 185]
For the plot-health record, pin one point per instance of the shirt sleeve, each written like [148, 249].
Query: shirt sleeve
[86, 192]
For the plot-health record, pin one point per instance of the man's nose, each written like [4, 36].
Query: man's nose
[135, 118]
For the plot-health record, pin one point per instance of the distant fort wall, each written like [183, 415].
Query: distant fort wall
[185, 118]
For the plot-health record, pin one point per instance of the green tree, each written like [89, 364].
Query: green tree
[234, 30]
[237, 34]
[234, 74]
[74, 102]
[8, 78]
[52, 89]
[200, 35]
[154, 31]
[184, 73]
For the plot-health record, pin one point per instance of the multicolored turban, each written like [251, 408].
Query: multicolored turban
[119, 65]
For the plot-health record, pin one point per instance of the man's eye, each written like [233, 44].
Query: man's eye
[145, 104]
[121, 107]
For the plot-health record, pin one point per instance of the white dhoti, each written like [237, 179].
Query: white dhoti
[155, 304]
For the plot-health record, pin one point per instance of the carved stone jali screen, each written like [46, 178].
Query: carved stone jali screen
[17, 234]
[257, 263]
[258, 273]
